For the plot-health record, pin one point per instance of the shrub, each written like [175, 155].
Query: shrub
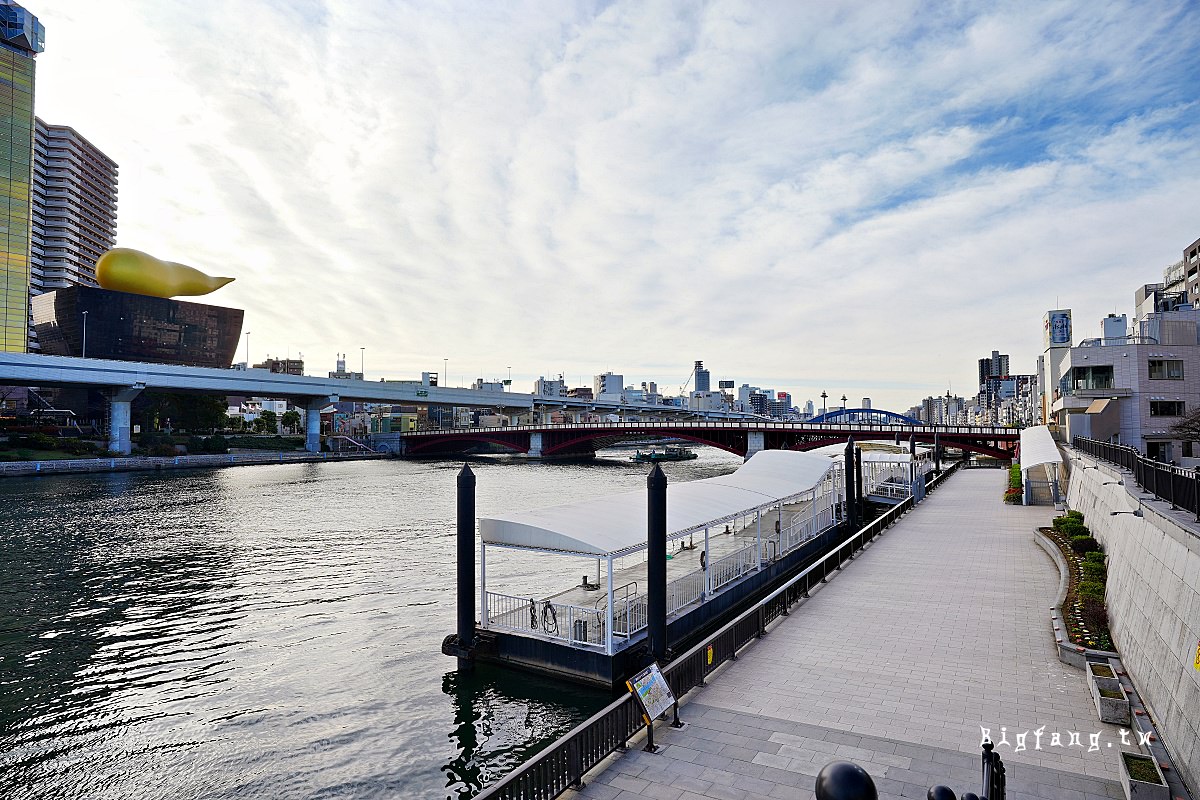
[1073, 514]
[216, 444]
[1014, 476]
[1013, 495]
[1090, 589]
[194, 444]
[1094, 557]
[1093, 571]
[1095, 615]
[1084, 544]
[1071, 529]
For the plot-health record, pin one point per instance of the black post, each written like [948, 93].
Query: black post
[937, 453]
[858, 489]
[851, 506]
[466, 563]
[656, 567]
[912, 452]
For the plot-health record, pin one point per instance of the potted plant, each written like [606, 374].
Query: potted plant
[1142, 779]
[1112, 704]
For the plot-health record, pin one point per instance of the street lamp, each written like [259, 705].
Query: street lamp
[824, 410]
[362, 361]
[85, 334]
[445, 371]
[843, 404]
[510, 378]
[247, 349]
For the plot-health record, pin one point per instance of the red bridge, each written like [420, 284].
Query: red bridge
[740, 437]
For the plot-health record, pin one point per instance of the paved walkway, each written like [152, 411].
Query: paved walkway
[939, 629]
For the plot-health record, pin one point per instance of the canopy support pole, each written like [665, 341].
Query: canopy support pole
[758, 537]
[608, 628]
[483, 606]
[707, 574]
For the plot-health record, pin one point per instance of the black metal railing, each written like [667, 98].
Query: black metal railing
[993, 773]
[993, 780]
[563, 764]
[1179, 487]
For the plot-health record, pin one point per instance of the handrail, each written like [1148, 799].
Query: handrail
[1178, 486]
[563, 764]
[814, 427]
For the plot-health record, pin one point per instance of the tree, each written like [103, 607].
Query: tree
[270, 421]
[290, 420]
[1188, 428]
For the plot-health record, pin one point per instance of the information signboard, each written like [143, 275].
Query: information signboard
[651, 690]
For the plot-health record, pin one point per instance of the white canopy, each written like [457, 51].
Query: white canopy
[617, 524]
[1038, 447]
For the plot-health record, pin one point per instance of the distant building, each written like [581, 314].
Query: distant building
[994, 366]
[545, 387]
[74, 210]
[581, 393]
[341, 373]
[480, 385]
[608, 387]
[285, 366]
[703, 378]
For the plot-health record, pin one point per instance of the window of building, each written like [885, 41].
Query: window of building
[1162, 369]
[1187, 449]
[1166, 408]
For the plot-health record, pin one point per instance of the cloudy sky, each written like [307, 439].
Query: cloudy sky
[861, 198]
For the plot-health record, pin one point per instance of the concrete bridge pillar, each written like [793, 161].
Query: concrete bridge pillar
[535, 445]
[312, 422]
[120, 419]
[754, 443]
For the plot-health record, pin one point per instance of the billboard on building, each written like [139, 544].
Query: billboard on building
[1056, 328]
[724, 384]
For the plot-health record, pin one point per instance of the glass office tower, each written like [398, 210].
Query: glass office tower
[21, 37]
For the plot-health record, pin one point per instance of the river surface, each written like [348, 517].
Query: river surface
[270, 631]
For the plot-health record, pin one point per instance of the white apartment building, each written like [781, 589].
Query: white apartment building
[74, 210]
[1132, 387]
[608, 388]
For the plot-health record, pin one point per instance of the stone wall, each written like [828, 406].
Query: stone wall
[1153, 599]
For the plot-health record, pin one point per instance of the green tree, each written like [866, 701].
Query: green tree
[270, 421]
[290, 420]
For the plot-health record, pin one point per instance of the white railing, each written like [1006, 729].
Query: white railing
[733, 566]
[752, 424]
[565, 622]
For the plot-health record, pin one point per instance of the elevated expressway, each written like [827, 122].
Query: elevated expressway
[122, 381]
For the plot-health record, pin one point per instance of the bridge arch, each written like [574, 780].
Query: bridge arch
[868, 415]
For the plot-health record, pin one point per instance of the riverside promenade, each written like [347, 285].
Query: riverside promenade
[938, 629]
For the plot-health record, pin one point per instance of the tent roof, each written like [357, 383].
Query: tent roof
[1038, 447]
[617, 524]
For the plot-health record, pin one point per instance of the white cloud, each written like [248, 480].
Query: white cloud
[807, 196]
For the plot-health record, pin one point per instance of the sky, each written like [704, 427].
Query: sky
[857, 198]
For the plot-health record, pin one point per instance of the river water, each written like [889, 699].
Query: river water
[269, 631]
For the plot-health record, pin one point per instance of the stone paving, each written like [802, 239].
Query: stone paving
[939, 629]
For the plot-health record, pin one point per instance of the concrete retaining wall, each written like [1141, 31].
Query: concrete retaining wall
[1153, 600]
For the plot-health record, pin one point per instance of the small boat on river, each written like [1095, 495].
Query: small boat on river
[666, 454]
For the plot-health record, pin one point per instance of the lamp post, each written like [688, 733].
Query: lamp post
[843, 404]
[362, 362]
[84, 354]
[445, 369]
[510, 378]
[247, 349]
[824, 410]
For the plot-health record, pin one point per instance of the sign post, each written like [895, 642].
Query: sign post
[655, 697]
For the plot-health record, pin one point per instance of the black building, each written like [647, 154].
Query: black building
[133, 327]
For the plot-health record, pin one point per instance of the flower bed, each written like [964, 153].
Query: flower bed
[1015, 492]
[1083, 611]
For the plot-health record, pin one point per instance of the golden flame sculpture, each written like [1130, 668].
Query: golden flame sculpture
[124, 270]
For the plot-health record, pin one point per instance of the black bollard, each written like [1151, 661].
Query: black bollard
[845, 780]
[940, 793]
[848, 473]
[656, 558]
[466, 563]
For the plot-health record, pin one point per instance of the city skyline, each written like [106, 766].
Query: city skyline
[857, 201]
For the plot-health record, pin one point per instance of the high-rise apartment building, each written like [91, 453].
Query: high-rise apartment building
[74, 208]
[21, 38]
[995, 366]
[703, 377]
